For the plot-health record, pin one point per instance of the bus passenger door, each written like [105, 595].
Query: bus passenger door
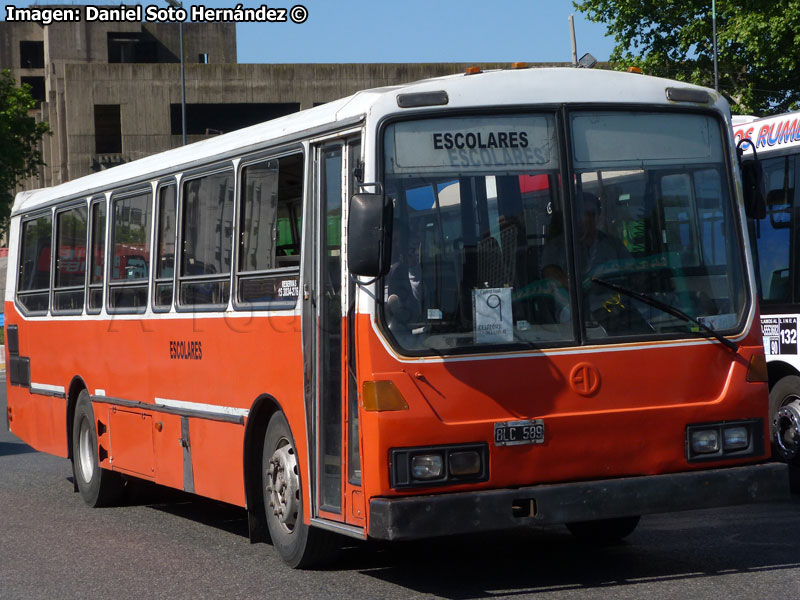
[336, 470]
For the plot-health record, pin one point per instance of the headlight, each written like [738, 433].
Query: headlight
[735, 438]
[705, 441]
[720, 441]
[427, 466]
[465, 463]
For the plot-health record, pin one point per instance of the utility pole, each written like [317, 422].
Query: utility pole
[714, 28]
[574, 43]
[176, 4]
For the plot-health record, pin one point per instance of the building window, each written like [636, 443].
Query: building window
[31, 55]
[207, 238]
[130, 47]
[107, 129]
[37, 87]
[203, 58]
[270, 226]
[208, 119]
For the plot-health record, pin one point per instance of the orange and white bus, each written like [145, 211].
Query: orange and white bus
[472, 303]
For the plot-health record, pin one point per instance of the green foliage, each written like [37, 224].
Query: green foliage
[20, 135]
[758, 46]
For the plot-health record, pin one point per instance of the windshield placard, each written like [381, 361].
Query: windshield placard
[492, 315]
[485, 144]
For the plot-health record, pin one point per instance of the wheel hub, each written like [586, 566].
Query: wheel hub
[86, 450]
[786, 427]
[283, 486]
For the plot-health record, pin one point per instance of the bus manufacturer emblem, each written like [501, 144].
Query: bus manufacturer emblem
[584, 379]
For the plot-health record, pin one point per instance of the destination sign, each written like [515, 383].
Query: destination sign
[498, 143]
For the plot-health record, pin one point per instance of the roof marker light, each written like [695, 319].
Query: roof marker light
[681, 94]
[472, 71]
[635, 70]
[438, 98]
[519, 65]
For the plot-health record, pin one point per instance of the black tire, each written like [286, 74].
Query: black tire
[604, 531]
[298, 545]
[784, 393]
[98, 486]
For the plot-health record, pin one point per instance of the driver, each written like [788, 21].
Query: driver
[597, 253]
[403, 293]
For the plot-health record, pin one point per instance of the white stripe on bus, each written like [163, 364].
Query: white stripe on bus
[208, 408]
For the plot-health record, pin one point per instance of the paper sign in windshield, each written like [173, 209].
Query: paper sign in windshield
[491, 311]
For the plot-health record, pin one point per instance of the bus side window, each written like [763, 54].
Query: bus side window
[774, 231]
[97, 256]
[33, 285]
[165, 246]
[270, 225]
[130, 242]
[207, 239]
[70, 277]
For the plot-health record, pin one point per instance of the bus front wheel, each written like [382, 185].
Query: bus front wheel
[604, 531]
[784, 411]
[299, 545]
[98, 486]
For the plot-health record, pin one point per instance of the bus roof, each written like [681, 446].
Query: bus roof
[516, 87]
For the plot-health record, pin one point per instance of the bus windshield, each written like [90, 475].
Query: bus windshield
[493, 246]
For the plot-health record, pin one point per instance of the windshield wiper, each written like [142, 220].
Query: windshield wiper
[669, 309]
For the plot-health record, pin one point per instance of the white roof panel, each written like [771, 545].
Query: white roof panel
[492, 88]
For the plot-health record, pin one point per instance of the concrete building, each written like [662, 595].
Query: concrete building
[111, 90]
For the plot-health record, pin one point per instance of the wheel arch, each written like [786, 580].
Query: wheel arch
[76, 386]
[261, 412]
[778, 369]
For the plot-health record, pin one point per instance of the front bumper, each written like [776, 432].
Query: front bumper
[416, 517]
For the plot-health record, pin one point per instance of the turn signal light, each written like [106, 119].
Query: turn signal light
[757, 371]
[382, 396]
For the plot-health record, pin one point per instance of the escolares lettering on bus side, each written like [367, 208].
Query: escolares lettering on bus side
[185, 350]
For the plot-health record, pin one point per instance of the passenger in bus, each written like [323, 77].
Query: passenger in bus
[403, 291]
[599, 254]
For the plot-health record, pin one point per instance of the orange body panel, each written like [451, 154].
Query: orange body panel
[131, 440]
[168, 450]
[240, 359]
[633, 424]
[217, 460]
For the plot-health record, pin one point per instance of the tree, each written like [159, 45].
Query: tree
[758, 46]
[20, 136]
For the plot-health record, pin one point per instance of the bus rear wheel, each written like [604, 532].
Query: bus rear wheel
[784, 410]
[298, 545]
[98, 486]
[604, 531]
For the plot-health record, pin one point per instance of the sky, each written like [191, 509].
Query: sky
[409, 31]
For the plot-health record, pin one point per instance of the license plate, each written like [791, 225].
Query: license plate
[513, 433]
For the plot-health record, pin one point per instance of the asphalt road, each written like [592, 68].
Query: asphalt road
[165, 544]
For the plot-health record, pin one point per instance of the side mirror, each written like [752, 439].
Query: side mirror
[755, 203]
[755, 197]
[369, 232]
